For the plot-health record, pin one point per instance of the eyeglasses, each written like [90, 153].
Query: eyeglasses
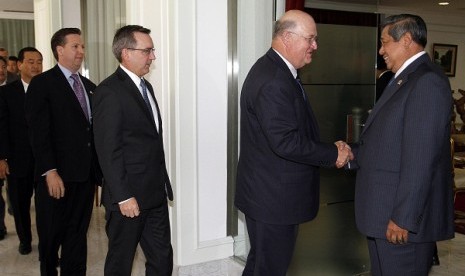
[146, 52]
[310, 40]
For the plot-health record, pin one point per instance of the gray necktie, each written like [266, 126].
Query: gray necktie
[80, 94]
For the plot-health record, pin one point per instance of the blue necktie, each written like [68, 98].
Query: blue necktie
[391, 81]
[80, 94]
[146, 97]
[301, 88]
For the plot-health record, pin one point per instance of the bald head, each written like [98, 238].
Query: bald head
[294, 37]
[292, 20]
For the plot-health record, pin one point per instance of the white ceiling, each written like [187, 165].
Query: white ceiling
[412, 6]
[456, 6]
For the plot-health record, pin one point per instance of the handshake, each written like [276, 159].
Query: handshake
[344, 154]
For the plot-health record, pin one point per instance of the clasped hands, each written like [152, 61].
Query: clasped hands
[344, 154]
[4, 169]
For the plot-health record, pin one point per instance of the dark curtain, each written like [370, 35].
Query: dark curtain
[295, 4]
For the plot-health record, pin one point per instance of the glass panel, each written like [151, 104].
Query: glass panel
[340, 83]
[101, 18]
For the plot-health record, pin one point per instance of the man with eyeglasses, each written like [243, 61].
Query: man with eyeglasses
[129, 143]
[280, 152]
[57, 109]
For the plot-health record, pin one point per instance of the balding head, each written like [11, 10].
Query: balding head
[294, 37]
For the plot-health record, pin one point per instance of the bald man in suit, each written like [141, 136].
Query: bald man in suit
[280, 152]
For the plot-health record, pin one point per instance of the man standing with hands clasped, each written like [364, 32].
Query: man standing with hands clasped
[129, 142]
[280, 152]
[403, 193]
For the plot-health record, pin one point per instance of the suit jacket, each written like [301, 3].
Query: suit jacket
[11, 77]
[404, 158]
[129, 148]
[280, 150]
[14, 140]
[60, 135]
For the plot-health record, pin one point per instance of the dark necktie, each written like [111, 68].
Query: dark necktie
[146, 97]
[301, 88]
[80, 94]
[391, 81]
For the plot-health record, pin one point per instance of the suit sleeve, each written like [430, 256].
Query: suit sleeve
[278, 114]
[108, 133]
[37, 111]
[426, 122]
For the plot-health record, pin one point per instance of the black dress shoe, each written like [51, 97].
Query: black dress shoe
[2, 234]
[24, 248]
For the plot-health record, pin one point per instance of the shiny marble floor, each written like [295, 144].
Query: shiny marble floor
[451, 254]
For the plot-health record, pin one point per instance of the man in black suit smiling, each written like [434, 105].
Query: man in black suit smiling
[280, 151]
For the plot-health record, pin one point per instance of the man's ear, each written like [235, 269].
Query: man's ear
[407, 39]
[286, 37]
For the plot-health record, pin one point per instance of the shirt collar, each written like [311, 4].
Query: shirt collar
[293, 70]
[408, 62]
[65, 71]
[25, 85]
[133, 76]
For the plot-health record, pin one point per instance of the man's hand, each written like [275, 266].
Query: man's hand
[395, 234]
[56, 188]
[4, 169]
[129, 208]
[344, 154]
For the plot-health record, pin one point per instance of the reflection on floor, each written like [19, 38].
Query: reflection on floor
[452, 255]
[307, 261]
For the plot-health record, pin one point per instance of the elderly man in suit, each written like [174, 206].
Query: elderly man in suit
[403, 195]
[280, 151]
[16, 161]
[129, 142]
[66, 169]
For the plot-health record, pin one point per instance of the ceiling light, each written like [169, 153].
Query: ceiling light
[443, 3]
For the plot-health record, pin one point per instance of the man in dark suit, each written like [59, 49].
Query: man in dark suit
[66, 169]
[129, 143]
[280, 151]
[10, 77]
[403, 196]
[3, 71]
[16, 161]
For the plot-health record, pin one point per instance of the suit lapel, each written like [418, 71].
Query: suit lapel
[283, 66]
[393, 88]
[134, 92]
[69, 92]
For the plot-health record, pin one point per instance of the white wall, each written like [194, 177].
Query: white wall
[191, 83]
